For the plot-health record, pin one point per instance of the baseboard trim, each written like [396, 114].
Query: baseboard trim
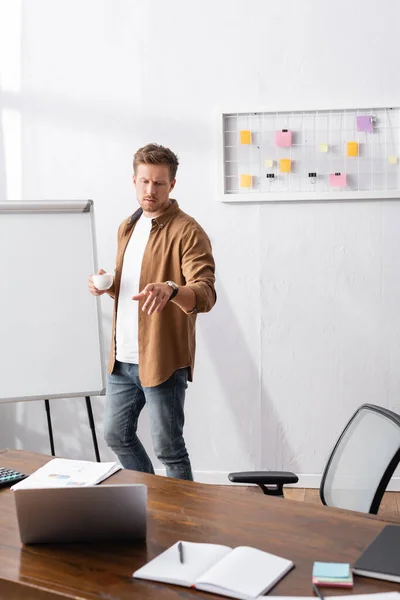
[308, 481]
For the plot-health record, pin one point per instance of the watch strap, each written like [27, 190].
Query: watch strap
[175, 289]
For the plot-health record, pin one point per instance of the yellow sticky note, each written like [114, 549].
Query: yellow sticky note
[245, 136]
[269, 163]
[245, 180]
[352, 149]
[285, 165]
[393, 160]
[323, 147]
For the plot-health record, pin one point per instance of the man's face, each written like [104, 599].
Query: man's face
[153, 186]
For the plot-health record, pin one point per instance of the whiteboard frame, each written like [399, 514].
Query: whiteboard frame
[256, 197]
[64, 207]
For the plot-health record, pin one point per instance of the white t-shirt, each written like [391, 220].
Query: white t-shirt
[127, 313]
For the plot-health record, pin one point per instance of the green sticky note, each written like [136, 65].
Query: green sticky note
[331, 570]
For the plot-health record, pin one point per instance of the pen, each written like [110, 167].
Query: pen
[318, 592]
[180, 550]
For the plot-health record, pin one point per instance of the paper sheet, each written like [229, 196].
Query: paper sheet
[285, 165]
[283, 139]
[352, 148]
[337, 180]
[63, 472]
[364, 123]
[245, 180]
[245, 136]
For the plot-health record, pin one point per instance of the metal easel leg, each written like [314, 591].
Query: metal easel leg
[47, 406]
[92, 427]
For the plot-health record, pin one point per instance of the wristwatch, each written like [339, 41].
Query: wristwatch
[175, 289]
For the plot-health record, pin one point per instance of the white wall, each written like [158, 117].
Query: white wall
[307, 325]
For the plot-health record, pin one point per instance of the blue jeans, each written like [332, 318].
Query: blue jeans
[165, 402]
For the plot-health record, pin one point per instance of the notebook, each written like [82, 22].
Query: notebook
[381, 559]
[242, 572]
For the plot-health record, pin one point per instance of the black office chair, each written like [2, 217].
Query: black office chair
[359, 468]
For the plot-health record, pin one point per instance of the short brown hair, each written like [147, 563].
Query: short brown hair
[154, 154]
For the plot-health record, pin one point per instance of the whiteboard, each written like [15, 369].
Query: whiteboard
[51, 343]
[310, 155]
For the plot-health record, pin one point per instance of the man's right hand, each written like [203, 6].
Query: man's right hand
[92, 289]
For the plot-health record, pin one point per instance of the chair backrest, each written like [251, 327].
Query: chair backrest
[363, 460]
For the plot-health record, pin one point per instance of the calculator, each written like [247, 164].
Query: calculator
[10, 476]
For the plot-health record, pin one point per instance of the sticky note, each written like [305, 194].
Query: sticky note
[337, 180]
[352, 149]
[245, 136]
[326, 569]
[393, 160]
[365, 123]
[283, 138]
[269, 163]
[245, 180]
[323, 147]
[285, 165]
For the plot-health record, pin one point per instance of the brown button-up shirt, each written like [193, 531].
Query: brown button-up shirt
[178, 249]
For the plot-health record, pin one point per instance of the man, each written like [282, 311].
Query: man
[164, 276]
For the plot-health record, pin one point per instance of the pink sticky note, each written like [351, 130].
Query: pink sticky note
[283, 138]
[337, 180]
[365, 123]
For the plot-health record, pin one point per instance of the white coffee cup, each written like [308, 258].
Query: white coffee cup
[103, 282]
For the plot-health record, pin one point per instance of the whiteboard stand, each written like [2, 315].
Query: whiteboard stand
[49, 426]
[91, 423]
[92, 427]
[51, 338]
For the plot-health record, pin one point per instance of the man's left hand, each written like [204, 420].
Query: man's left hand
[157, 296]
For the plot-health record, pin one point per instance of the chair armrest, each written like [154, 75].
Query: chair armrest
[275, 479]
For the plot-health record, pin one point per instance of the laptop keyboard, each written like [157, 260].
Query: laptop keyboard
[10, 476]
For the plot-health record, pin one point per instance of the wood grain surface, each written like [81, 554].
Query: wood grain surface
[182, 510]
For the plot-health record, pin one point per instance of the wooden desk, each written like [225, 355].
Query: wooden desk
[187, 511]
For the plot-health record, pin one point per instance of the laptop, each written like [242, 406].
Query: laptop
[82, 513]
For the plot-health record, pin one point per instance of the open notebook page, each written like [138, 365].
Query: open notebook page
[244, 573]
[168, 568]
